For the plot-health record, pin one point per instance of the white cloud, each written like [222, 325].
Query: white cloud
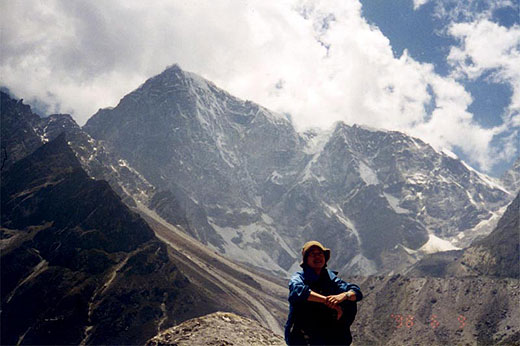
[488, 47]
[320, 61]
[470, 10]
[419, 3]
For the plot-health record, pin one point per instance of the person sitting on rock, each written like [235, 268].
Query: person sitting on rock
[321, 306]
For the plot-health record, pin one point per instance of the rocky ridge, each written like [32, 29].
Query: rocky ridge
[18, 136]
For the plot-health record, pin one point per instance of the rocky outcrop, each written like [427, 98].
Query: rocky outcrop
[220, 328]
[78, 267]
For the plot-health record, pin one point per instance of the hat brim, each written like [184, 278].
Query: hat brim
[326, 252]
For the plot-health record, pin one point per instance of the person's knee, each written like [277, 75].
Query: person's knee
[349, 312]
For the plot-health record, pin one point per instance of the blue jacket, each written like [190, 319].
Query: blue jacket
[315, 317]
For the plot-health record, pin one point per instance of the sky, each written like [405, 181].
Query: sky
[445, 71]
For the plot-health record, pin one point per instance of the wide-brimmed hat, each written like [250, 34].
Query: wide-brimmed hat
[308, 245]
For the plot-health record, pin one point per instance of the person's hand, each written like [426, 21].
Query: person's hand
[339, 311]
[334, 300]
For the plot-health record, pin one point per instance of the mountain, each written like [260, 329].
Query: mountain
[244, 182]
[196, 141]
[78, 267]
[239, 178]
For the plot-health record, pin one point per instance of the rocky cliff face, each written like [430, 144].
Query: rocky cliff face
[244, 182]
[78, 267]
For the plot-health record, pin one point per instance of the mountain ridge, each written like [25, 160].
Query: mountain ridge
[254, 180]
[73, 254]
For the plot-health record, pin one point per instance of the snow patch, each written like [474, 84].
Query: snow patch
[198, 81]
[317, 143]
[486, 179]
[246, 250]
[394, 203]
[436, 244]
[418, 178]
[249, 211]
[367, 174]
[228, 156]
[483, 228]
[267, 219]
[275, 177]
[338, 213]
[408, 250]
[314, 147]
[449, 153]
[361, 265]
[415, 143]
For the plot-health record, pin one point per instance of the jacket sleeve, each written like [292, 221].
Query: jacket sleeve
[298, 290]
[344, 286]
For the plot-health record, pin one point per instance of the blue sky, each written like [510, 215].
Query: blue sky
[445, 71]
[422, 33]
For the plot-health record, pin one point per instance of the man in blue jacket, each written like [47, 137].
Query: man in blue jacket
[321, 306]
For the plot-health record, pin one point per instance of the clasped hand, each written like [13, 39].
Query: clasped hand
[334, 300]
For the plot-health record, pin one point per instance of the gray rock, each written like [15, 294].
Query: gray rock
[219, 329]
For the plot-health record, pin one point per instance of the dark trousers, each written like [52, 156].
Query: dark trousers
[332, 332]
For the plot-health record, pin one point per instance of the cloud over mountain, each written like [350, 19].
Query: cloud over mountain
[318, 61]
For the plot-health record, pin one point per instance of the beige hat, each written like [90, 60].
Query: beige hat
[308, 245]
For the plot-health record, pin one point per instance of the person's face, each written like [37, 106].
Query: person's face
[316, 258]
